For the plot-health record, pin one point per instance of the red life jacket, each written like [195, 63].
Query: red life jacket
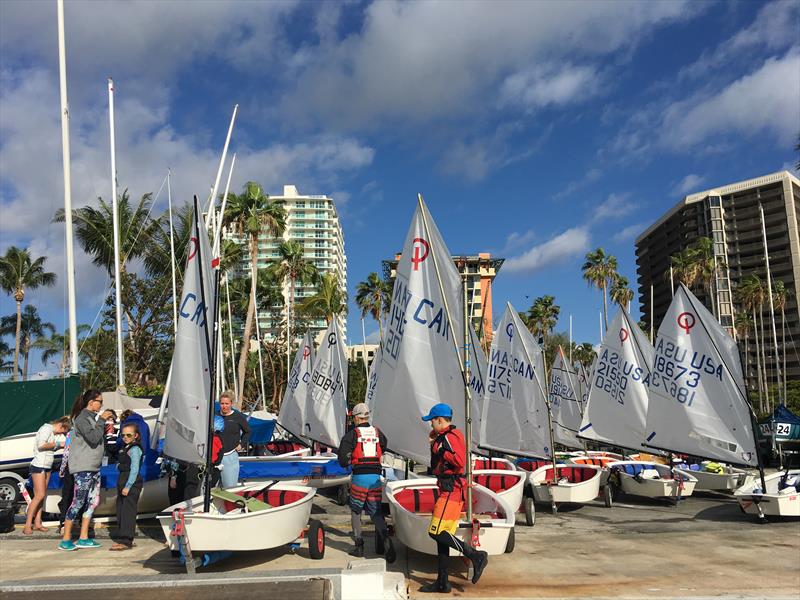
[368, 449]
[449, 473]
[216, 447]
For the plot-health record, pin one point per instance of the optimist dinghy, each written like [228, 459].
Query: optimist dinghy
[573, 484]
[715, 477]
[781, 499]
[652, 480]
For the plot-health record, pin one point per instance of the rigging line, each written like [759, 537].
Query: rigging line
[147, 217]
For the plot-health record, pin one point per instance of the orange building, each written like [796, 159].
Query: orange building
[480, 270]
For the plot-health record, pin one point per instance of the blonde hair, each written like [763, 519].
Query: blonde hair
[229, 394]
[66, 421]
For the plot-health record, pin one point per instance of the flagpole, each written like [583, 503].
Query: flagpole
[213, 198]
[115, 226]
[65, 157]
[771, 306]
[462, 365]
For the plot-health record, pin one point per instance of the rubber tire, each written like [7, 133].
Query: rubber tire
[342, 495]
[9, 490]
[530, 511]
[512, 541]
[608, 495]
[316, 540]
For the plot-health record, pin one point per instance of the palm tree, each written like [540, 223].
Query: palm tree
[6, 366]
[706, 267]
[249, 214]
[620, 292]
[31, 328]
[19, 273]
[293, 266]
[94, 229]
[329, 300]
[599, 270]
[58, 345]
[157, 254]
[750, 294]
[372, 296]
[584, 354]
[780, 295]
[744, 323]
[543, 316]
[684, 268]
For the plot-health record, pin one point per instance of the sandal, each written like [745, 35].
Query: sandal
[41, 528]
[119, 548]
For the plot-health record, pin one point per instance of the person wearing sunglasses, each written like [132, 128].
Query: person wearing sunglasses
[85, 459]
[129, 487]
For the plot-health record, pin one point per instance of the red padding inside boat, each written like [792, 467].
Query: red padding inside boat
[497, 483]
[283, 447]
[490, 463]
[532, 465]
[417, 500]
[575, 474]
[599, 462]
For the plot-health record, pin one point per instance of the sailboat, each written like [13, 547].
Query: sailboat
[314, 407]
[247, 517]
[420, 366]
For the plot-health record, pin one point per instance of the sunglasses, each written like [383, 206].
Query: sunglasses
[128, 435]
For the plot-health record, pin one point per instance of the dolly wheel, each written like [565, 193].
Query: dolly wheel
[608, 495]
[512, 541]
[530, 511]
[316, 539]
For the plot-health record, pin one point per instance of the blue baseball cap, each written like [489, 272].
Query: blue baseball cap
[439, 410]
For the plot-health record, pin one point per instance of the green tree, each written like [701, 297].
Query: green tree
[57, 345]
[329, 300]
[373, 298]
[684, 268]
[706, 267]
[744, 323]
[620, 293]
[31, 329]
[750, 295]
[6, 352]
[19, 273]
[599, 270]
[356, 383]
[780, 295]
[543, 316]
[157, 254]
[584, 355]
[249, 214]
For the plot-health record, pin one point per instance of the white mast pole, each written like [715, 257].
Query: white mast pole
[172, 257]
[600, 314]
[364, 347]
[218, 231]
[671, 282]
[213, 198]
[230, 334]
[254, 275]
[65, 155]
[771, 305]
[570, 340]
[115, 219]
[652, 313]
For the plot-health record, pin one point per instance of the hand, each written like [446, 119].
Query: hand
[125, 491]
[432, 436]
[239, 448]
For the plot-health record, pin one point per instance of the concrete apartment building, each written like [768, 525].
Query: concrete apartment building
[481, 269]
[730, 216]
[314, 222]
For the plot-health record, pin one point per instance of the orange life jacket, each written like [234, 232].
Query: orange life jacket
[368, 449]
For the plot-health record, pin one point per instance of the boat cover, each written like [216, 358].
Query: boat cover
[290, 468]
[109, 475]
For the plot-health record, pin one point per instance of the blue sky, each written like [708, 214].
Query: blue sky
[535, 130]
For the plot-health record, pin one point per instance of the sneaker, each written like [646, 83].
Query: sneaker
[90, 543]
[69, 546]
[478, 564]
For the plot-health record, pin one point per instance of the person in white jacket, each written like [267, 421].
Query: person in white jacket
[49, 438]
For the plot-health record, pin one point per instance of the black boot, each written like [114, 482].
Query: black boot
[358, 551]
[479, 561]
[440, 586]
[390, 553]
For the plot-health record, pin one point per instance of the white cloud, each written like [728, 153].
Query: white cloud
[690, 183]
[590, 176]
[544, 85]
[516, 240]
[561, 248]
[630, 232]
[613, 207]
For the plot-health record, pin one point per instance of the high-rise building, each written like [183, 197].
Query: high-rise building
[313, 222]
[481, 269]
[730, 216]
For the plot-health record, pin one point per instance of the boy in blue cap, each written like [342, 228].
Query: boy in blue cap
[448, 460]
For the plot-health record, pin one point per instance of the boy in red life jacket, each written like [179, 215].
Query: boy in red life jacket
[448, 459]
[361, 448]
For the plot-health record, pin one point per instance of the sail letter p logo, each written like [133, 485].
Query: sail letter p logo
[419, 257]
[623, 335]
[686, 321]
[306, 352]
[331, 339]
[192, 248]
[510, 331]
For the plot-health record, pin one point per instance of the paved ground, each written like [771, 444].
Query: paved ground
[705, 547]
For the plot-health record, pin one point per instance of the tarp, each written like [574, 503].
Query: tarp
[260, 430]
[785, 424]
[27, 405]
[281, 469]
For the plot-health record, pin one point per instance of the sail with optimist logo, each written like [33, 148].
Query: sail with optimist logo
[326, 398]
[565, 402]
[419, 364]
[292, 416]
[514, 418]
[187, 422]
[698, 400]
[616, 407]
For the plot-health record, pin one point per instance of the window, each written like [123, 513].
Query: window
[301, 204]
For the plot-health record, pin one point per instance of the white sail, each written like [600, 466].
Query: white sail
[616, 407]
[372, 380]
[514, 417]
[326, 400]
[186, 435]
[698, 403]
[292, 416]
[565, 403]
[419, 363]
[477, 383]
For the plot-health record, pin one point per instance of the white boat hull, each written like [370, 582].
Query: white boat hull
[153, 499]
[776, 502]
[411, 527]
[509, 485]
[667, 485]
[237, 530]
[707, 481]
[569, 491]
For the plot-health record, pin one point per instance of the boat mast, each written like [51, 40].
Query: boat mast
[463, 365]
[62, 76]
[115, 222]
[213, 199]
[172, 257]
[771, 306]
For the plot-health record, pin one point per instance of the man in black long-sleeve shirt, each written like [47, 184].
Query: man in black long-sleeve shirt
[235, 438]
[362, 448]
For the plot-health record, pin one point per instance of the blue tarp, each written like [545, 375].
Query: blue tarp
[287, 469]
[109, 475]
[783, 422]
[260, 430]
